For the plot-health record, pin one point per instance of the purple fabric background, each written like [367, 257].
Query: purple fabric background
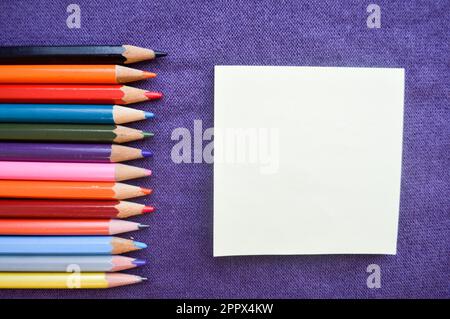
[201, 34]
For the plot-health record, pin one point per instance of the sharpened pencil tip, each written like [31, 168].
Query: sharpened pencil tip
[144, 278]
[160, 54]
[148, 134]
[153, 95]
[149, 115]
[143, 226]
[146, 191]
[140, 245]
[149, 75]
[148, 209]
[139, 262]
[146, 153]
[148, 172]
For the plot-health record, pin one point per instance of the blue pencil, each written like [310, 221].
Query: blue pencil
[70, 113]
[67, 245]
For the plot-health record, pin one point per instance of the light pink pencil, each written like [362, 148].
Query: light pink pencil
[44, 171]
[66, 227]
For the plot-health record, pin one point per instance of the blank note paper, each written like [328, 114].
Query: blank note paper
[307, 160]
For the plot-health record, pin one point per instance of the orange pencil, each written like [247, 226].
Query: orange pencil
[67, 226]
[70, 190]
[66, 74]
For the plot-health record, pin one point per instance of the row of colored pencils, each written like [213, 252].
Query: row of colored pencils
[61, 200]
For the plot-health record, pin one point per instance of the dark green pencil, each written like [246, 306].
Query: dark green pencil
[70, 133]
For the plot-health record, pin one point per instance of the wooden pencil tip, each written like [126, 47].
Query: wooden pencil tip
[149, 75]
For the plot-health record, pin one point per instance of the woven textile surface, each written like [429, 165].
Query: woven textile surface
[201, 34]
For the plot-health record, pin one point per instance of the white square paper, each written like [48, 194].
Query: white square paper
[307, 160]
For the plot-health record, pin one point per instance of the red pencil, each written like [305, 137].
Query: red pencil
[42, 208]
[74, 93]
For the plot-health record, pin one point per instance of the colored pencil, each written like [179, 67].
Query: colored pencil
[70, 190]
[67, 245]
[46, 171]
[62, 152]
[10, 226]
[65, 263]
[71, 113]
[74, 93]
[106, 54]
[41, 208]
[88, 133]
[85, 74]
[64, 280]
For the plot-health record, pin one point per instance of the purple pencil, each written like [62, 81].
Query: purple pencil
[87, 153]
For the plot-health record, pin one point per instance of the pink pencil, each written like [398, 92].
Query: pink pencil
[44, 171]
[65, 227]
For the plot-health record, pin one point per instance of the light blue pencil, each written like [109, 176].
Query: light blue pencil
[67, 245]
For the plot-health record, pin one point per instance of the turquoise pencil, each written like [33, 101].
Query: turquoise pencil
[70, 113]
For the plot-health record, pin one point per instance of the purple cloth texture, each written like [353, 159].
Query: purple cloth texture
[200, 34]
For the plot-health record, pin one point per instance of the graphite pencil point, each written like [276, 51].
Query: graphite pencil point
[160, 54]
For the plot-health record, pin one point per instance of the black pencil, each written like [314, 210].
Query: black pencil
[105, 54]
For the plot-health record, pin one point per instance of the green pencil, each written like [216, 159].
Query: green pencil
[70, 133]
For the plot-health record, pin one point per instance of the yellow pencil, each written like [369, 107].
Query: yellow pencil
[69, 280]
